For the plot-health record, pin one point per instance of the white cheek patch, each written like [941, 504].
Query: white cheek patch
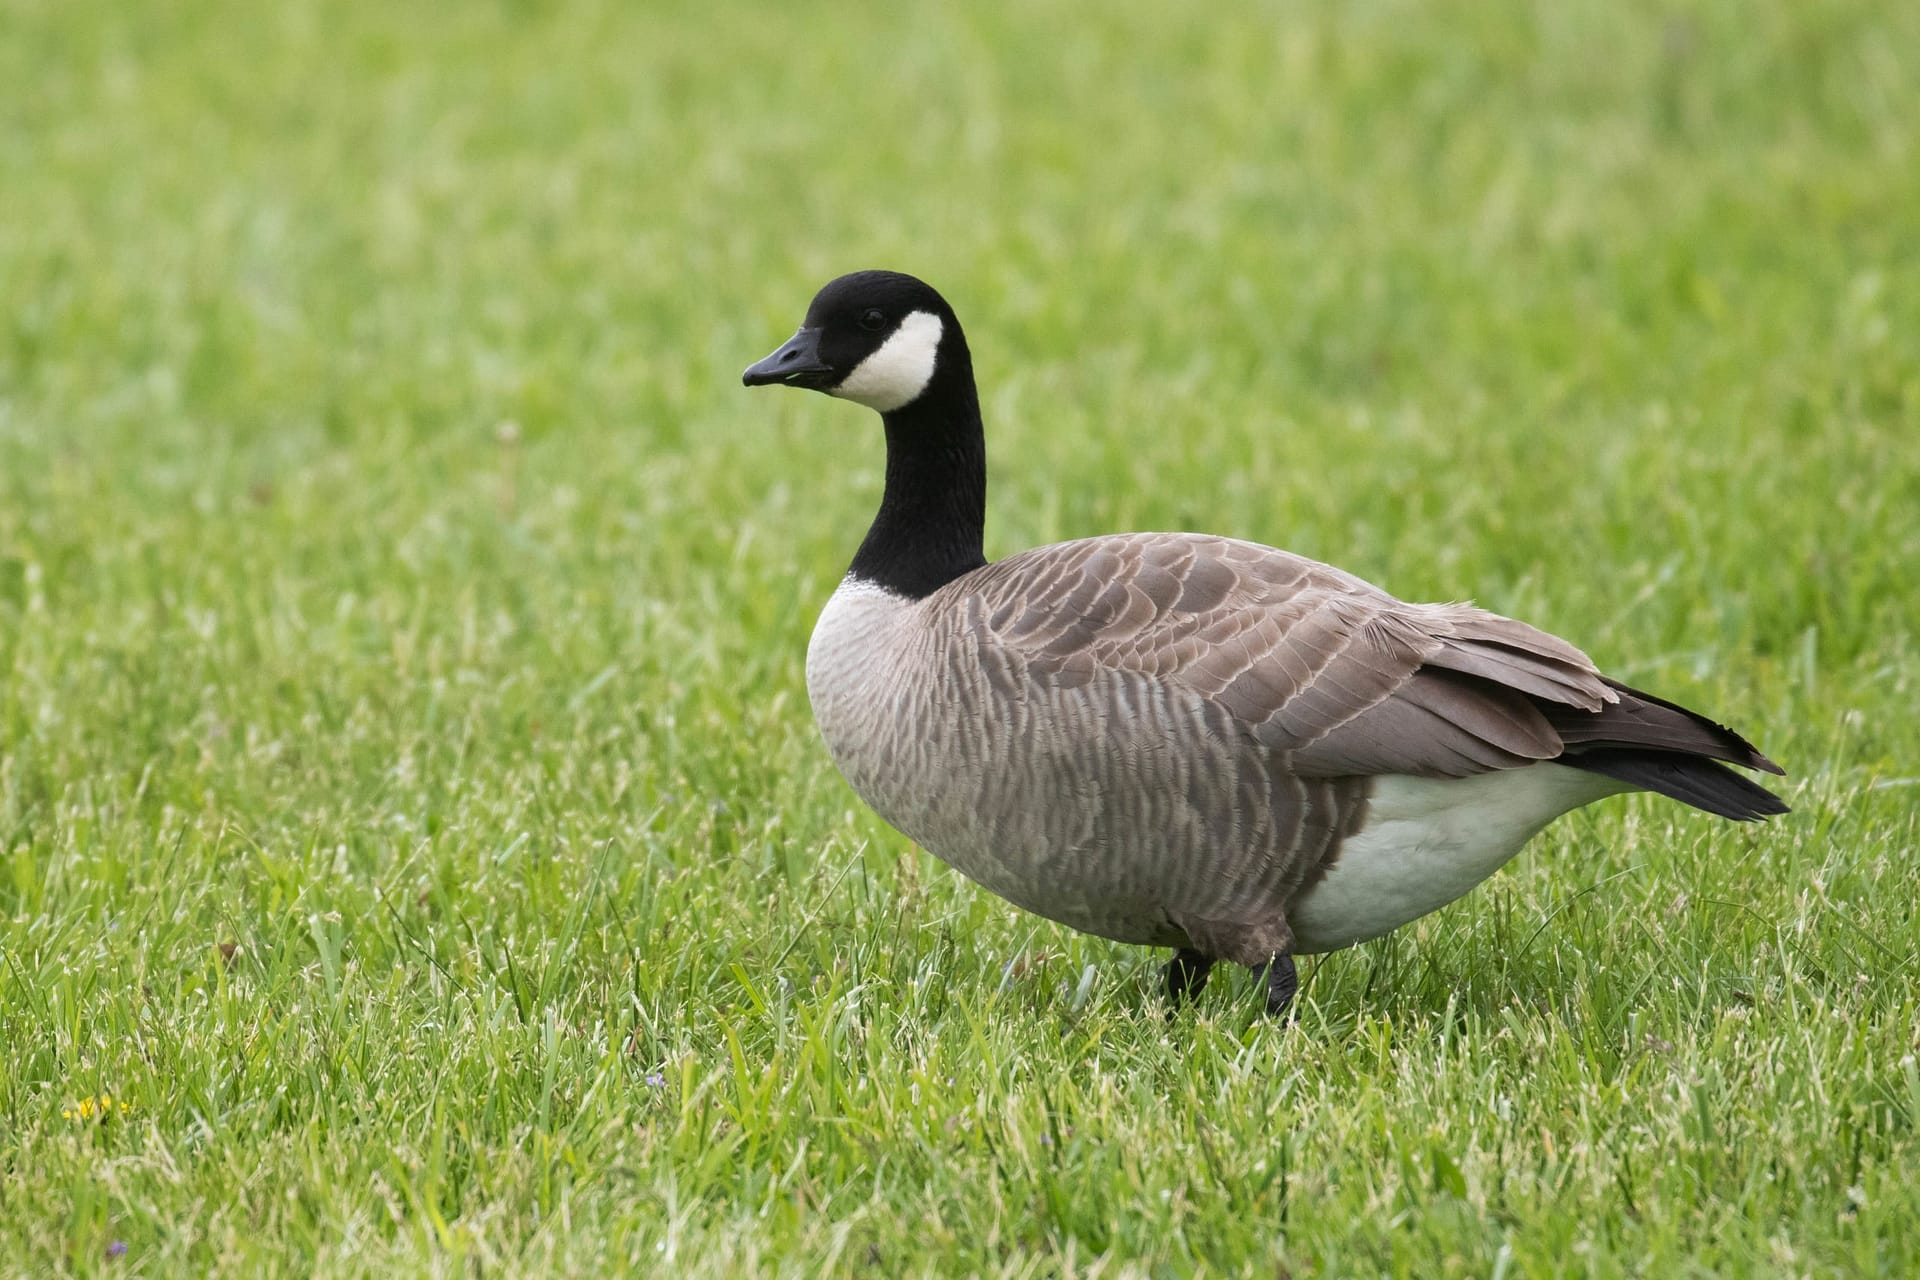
[895, 375]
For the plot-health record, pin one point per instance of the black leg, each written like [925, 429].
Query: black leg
[1187, 974]
[1283, 980]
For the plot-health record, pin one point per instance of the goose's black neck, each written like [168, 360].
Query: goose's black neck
[933, 515]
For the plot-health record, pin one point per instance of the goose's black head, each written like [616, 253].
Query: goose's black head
[878, 338]
[890, 342]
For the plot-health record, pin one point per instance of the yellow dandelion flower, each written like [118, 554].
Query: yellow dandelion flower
[101, 1106]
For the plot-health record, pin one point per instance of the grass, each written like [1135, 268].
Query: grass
[410, 816]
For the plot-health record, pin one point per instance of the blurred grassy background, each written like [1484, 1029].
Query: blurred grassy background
[408, 801]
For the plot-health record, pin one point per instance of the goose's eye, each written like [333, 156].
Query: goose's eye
[873, 321]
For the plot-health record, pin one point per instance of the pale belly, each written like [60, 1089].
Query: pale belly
[1426, 842]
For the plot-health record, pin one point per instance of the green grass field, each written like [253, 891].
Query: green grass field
[410, 813]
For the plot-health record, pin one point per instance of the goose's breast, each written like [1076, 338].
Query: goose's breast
[913, 721]
[881, 705]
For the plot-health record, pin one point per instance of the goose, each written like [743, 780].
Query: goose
[1182, 740]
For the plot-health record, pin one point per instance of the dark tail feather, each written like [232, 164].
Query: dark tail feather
[1738, 750]
[1692, 780]
[1656, 745]
[1641, 720]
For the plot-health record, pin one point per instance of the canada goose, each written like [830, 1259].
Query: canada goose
[1182, 740]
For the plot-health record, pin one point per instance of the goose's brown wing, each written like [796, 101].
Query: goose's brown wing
[1333, 675]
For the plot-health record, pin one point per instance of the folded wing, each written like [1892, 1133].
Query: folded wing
[1335, 676]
